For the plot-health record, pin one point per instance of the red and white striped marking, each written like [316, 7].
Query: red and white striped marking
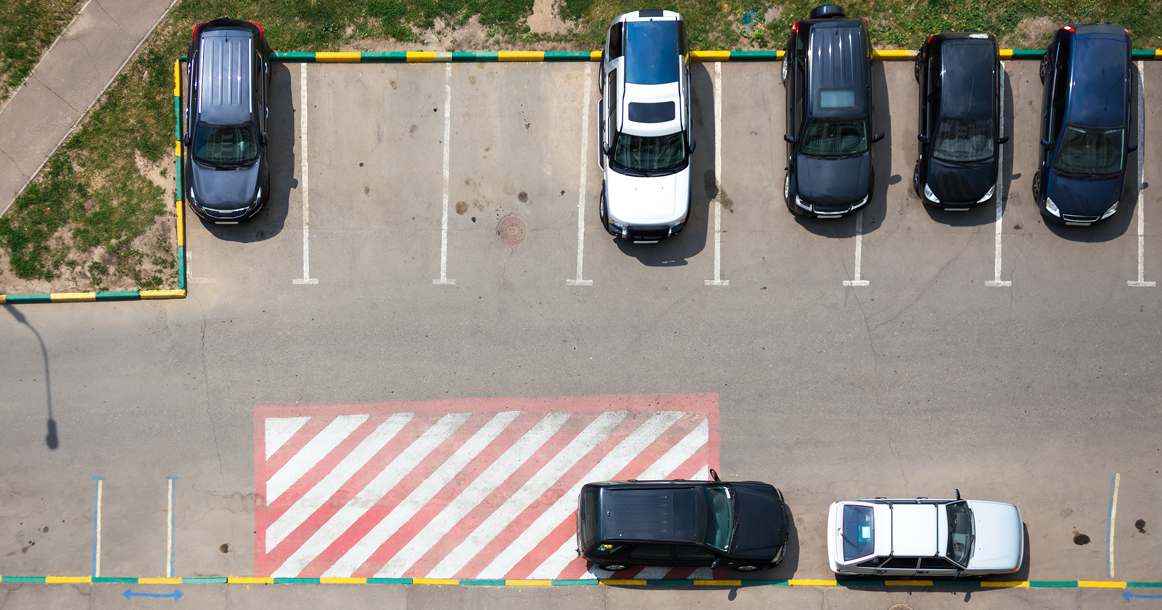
[468, 489]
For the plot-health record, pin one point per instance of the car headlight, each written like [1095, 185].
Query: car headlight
[1110, 212]
[803, 204]
[861, 202]
[258, 196]
[678, 222]
[930, 195]
[987, 195]
[615, 222]
[1052, 207]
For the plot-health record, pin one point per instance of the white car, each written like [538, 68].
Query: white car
[645, 132]
[949, 538]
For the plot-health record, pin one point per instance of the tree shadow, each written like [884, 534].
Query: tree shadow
[51, 439]
[704, 185]
[281, 134]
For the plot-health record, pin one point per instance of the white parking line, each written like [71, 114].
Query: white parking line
[581, 193]
[190, 274]
[169, 523]
[1113, 515]
[306, 279]
[447, 151]
[858, 252]
[718, 281]
[1000, 195]
[1140, 211]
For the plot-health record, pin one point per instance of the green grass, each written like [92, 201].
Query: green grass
[27, 28]
[83, 219]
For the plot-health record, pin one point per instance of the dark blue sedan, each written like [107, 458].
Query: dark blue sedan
[1085, 119]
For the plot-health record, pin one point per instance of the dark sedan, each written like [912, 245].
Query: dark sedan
[959, 76]
[1085, 120]
[621, 524]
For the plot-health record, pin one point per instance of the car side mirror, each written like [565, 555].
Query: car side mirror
[1045, 143]
[876, 138]
[262, 138]
[1132, 148]
[604, 148]
[923, 138]
[693, 145]
[714, 475]
[789, 138]
[186, 139]
[1003, 140]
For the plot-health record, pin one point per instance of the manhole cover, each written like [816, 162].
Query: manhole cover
[511, 230]
[900, 607]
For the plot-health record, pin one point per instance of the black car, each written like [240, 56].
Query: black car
[621, 524]
[1085, 119]
[960, 112]
[224, 169]
[826, 75]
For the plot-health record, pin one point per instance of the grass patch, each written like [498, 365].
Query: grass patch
[27, 28]
[94, 220]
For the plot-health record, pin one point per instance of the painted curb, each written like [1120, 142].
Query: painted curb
[847, 584]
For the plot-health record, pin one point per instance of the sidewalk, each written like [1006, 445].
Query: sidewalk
[69, 78]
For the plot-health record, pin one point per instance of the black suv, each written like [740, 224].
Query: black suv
[959, 76]
[1085, 120]
[224, 168]
[826, 74]
[621, 524]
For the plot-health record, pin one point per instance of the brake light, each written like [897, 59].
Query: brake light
[795, 28]
[1068, 29]
[930, 39]
[195, 35]
[260, 35]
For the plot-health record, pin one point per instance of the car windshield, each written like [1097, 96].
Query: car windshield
[1089, 152]
[963, 140]
[649, 154]
[835, 138]
[225, 144]
[720, 523]
[858, 527]
[960, 533]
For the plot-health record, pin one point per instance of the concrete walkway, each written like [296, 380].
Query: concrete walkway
[73, 74]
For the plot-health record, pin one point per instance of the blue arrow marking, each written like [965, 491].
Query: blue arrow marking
[1128, 596]
[129, 594]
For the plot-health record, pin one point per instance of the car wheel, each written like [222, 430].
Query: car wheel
[787, 190]
[745, 568]
[1036, 184]
[1044, 66]
[916, 180]
[786, 67]
[916, 69]
[613, 567]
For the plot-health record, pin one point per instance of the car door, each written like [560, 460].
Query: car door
[937, 566]
[898, 566]
[692, 555]
[1060, 100]
[652, 555]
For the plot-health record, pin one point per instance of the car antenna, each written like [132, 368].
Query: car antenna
[957, 494]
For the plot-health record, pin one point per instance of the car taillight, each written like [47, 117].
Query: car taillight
[930, 39]
[260, 35]
[1068, 29]
[195, 35]
[795, 28]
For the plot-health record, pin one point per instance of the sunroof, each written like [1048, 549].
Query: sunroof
[651, 52]
[837, 98]
[659, 112]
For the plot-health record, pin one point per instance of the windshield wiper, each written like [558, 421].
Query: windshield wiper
[845, 539]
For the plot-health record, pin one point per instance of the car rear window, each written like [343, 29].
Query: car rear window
[651, 50]
[858, 532]
[589, 510]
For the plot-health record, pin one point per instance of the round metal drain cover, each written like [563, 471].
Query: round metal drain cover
[511, 230]
[900, 607]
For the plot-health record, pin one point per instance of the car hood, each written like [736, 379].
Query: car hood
[225, 188]
[761, 520]
[1084, 197]
[961, 184]
[653, 200]
[1000, 539]
[833, 182]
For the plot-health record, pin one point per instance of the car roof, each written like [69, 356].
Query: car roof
[915, 530]
[968, 82]
[224, 79]
[1099, 72]
[663, 513]
[838, 62]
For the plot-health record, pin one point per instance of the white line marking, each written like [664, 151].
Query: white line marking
[997, 282]
[190, 272]
[304, 176]
[370, 495]
[316, 449]
[474, 494]
[97, 553]
[1113, 516]
[447, 154]
[608, 467]
[536, 486]
[1140, 210]
[425, 491]
[679, 453]
[169, 532]
[581, 191]
[858, 251]
[279, 430]
[326, 488]
[718, 281]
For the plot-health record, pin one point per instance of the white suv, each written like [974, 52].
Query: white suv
[645, 126]
[896, 537]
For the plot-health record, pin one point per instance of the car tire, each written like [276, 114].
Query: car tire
[916, 69]
[786, 66]
[1044, 69]
[787, 192]
[748, 567]
[916, 181]
[1036, 184]
[613, 567]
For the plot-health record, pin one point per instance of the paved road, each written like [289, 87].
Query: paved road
[70, 76]
[924, 380]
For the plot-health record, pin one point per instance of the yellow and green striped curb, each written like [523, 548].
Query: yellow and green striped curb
[856, 584]
[425, 57]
